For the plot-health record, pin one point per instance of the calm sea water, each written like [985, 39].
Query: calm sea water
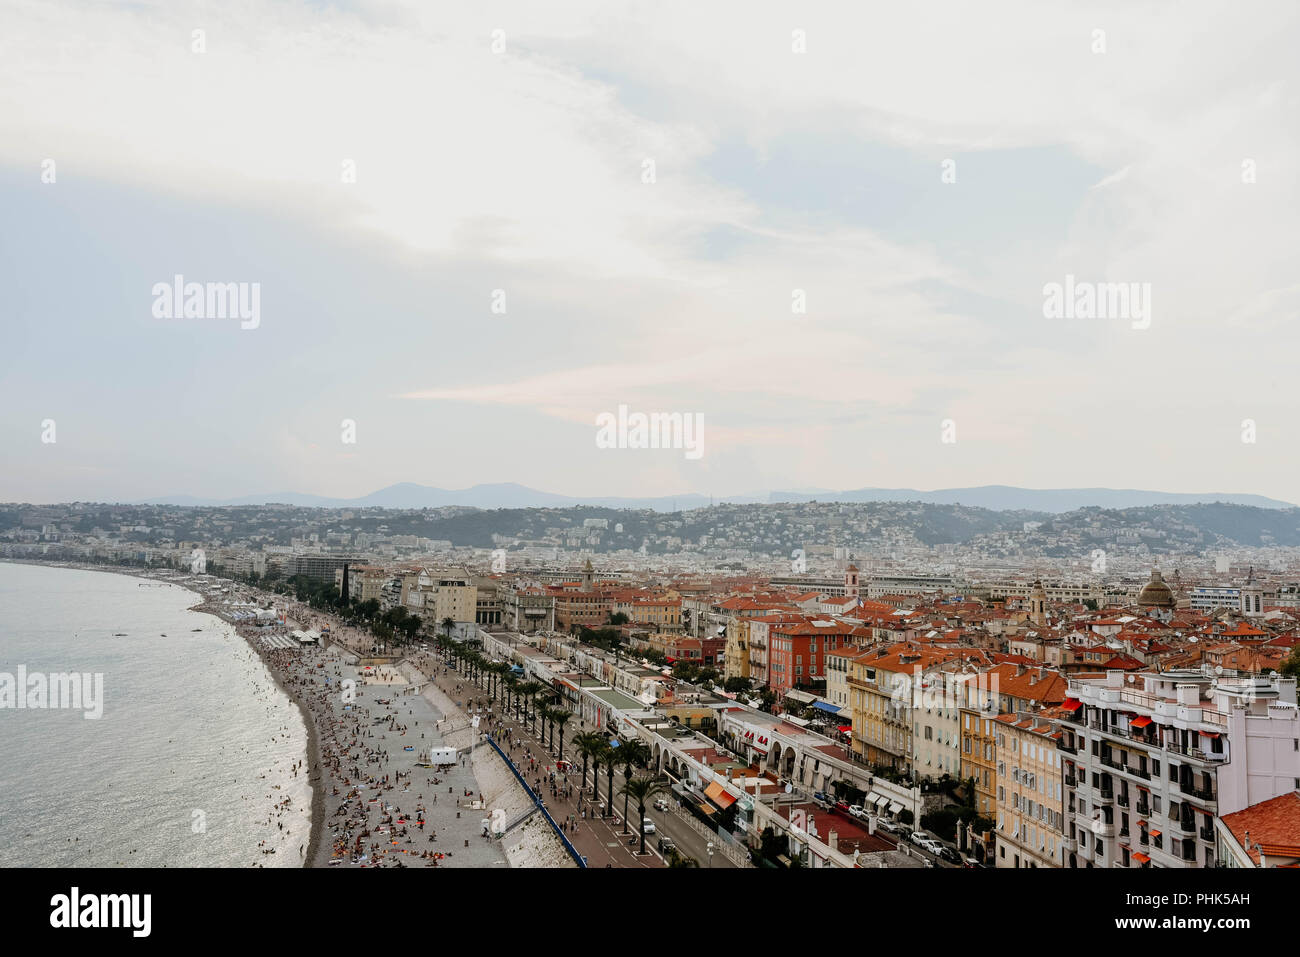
[183, 767]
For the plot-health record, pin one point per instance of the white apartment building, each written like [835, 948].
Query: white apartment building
[936, 735]
[1150, 760]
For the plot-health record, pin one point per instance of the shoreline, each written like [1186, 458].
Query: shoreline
[346, 755]
[313, 754]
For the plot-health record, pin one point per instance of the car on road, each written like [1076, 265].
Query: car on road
[647, 826]
[857, 811]
[931, 845]
[667, 845]
[921, 839]
[661, 804]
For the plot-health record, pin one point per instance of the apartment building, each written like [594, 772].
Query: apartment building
[436, 597]
[882, 685]
[365, 582]
[1030, 793]
[936, 718]
[837, 675]
[660, 613]
[798, 649]
[526, 608]
[1150, 761]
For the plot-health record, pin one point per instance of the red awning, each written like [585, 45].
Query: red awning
[1154, 832]
[1140, 722]
[1141, 858]
[1071, 704]
[1210, 734]
[846, 727]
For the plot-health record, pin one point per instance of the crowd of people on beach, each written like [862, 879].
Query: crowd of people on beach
[378, 820]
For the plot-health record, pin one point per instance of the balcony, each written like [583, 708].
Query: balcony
[1187, 826]
[1202, 794]
[1143, 810]
[1067, 748]
[1206, 832]
[1071, 781]
[1122, 800]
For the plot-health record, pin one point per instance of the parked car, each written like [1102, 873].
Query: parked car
[647, 826]
[950, 854]
[823, 797]
[857, 811]
[886, 825]
[667, 845]
[842, 806]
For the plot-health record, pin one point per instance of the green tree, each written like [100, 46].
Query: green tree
[562, 716]
[589, 744]
[641, 790]
[631, 753]
[611, 759]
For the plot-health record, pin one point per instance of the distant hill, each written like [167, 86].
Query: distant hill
[1009, 497]
[490, 496]
[1001, 498]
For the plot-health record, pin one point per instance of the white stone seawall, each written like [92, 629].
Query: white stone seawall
[534, 843]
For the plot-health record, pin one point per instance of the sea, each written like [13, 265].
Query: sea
[191, 763]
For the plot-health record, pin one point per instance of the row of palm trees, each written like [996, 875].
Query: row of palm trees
[538, 701]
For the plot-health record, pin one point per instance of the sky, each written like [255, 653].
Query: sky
[476, 228]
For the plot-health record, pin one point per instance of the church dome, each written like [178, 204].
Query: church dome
[1155, 593]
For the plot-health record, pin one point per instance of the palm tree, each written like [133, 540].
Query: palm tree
[589, 744]
[530, 689]
[561, 716]
[633, 752]
[497, 670]
[512, 683]
[642, 789]
[612, 760]
[447, 625]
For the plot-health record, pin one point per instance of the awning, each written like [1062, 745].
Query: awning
[824, 706]
[1153, 832]
[894, 807]
[1210, 734]
[873, 798]
[704, 808]
[1071, 704]
[716, 793]
[846, 728]
[1140, 857]
[1141, 722]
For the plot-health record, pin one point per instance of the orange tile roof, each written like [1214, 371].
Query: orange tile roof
[1274, 823]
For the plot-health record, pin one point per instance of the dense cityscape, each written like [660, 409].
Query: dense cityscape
[818, 685]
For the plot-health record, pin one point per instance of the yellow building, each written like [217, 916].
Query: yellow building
[1030, 793]
[883, 685]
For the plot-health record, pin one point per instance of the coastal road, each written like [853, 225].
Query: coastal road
[601, 841]
[612, 841]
